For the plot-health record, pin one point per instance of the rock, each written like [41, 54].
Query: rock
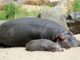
[54, 2]
[74, 22]
[57, 13]
[74, 27]
[75, 16]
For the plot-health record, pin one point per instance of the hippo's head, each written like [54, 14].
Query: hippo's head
[67, 40]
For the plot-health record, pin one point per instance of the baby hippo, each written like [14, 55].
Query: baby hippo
[43, 45]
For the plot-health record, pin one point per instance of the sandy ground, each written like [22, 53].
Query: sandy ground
[20, 53]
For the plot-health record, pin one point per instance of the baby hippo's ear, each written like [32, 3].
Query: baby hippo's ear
[60, 37]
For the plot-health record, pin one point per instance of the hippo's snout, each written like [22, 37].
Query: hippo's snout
[67, 40]
[72, 42]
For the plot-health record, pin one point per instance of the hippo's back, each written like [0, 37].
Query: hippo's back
[34, 22]
[22, 30]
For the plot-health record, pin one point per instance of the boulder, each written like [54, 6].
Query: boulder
[73, 20]
[75, 16]
[57, 13]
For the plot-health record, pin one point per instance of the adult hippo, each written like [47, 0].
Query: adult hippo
[20, 31]
[43, 45]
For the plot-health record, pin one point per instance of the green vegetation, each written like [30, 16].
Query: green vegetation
[2, 15]
[12, 11]
[76, 5]
[9, 11]
[26, 13]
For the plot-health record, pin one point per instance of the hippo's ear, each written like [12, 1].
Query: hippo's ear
[60, 37]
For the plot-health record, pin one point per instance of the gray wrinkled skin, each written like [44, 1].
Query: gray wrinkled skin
[43, 45]
[20, 31]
